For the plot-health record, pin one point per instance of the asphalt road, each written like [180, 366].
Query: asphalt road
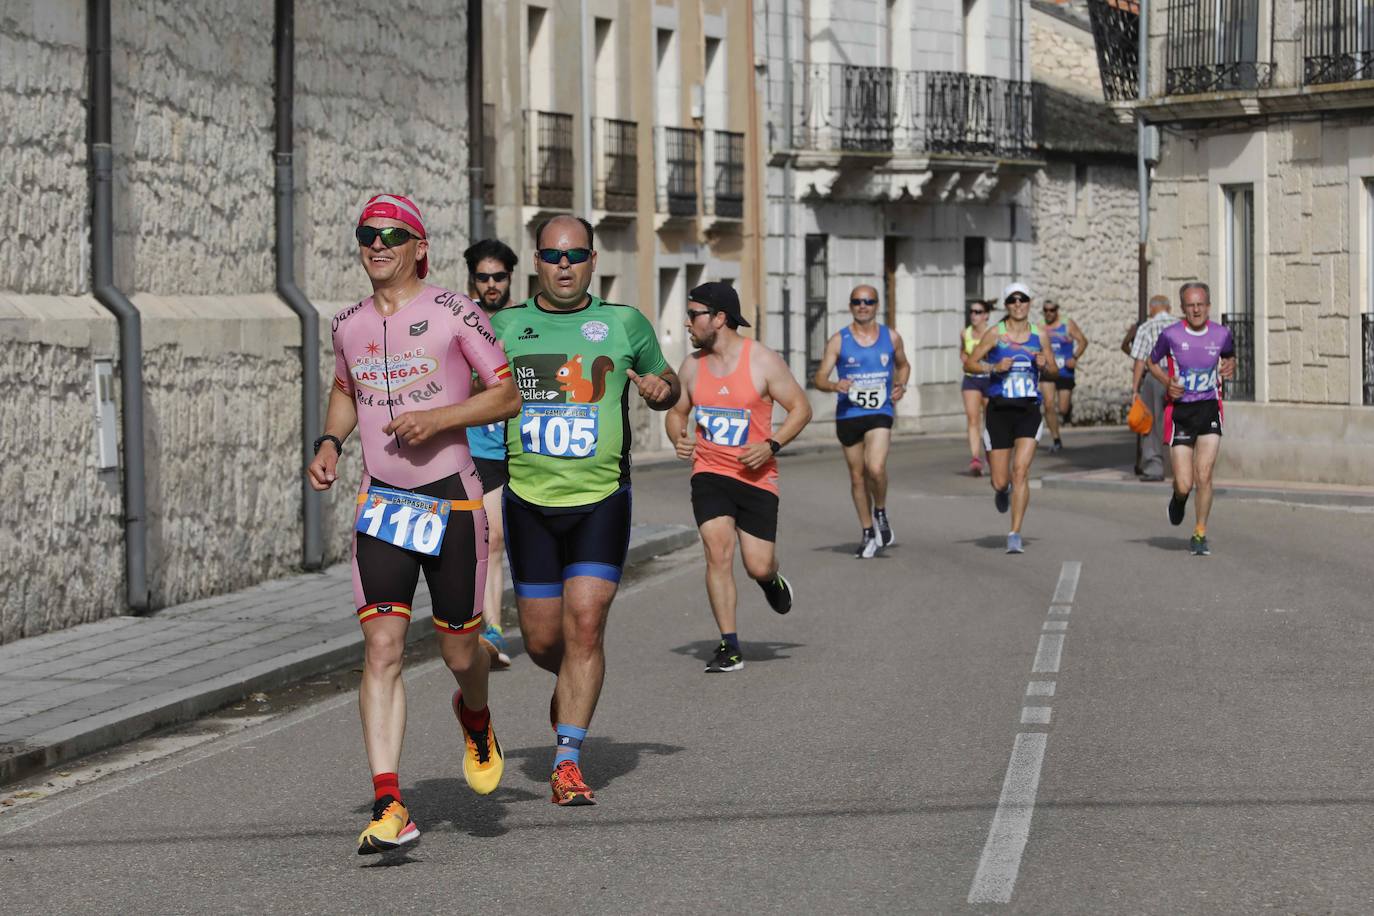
[1207, 746]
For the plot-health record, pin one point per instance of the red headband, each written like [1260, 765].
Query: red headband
[394, 206]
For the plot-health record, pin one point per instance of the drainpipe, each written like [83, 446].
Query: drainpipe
[284, 42]
[1141, 166]
[477, 145]
[584, 80]
[787, 190]
[110, 296]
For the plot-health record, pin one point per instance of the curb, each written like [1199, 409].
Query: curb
[176, 706]
[1332, 497]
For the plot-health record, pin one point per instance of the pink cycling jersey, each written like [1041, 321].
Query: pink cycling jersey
[423, 356]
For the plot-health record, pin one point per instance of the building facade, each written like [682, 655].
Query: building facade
[1264, 188]
[900, 153]
[638, 118]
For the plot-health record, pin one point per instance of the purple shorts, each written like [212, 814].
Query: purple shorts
[979, 383]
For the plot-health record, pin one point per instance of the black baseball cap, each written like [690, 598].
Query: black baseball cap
[719, 297]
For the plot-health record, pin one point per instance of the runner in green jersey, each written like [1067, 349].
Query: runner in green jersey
[567, 505]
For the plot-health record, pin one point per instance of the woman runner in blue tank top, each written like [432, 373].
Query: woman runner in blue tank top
[1017, 353]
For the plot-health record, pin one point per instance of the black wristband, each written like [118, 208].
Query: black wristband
[338, 443]
[773, 444]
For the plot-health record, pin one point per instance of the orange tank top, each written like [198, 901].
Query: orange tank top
[730, 414]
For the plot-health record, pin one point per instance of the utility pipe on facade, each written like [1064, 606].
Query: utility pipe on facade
[284, 41]
[477, 130]
[787, 185]
[585, 88]
[1142, 167]
[110, 296]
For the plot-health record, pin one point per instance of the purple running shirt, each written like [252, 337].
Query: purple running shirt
[1194, 358]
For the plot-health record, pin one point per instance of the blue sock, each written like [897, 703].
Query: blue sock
[732, 639]
[569, 744]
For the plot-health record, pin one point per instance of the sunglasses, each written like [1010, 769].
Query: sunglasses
[1012, 299]
[555, 255]
[977, 311]
[391, 236]
[863, 301]
[694, 314]
[500, 277]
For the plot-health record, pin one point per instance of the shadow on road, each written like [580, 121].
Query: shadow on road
[1171, 544]
[996, 541]
[604, 761]
[849, 547]
[753, 651]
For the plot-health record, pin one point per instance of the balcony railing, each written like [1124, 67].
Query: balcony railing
[1116, 34]
[725, 171]
[677, 159]
[489, 154]
[1242, 387]
[1212, 46]
[617, 186]
[1337, 41]
[549, 148]
[1368, 341]
[844, 107]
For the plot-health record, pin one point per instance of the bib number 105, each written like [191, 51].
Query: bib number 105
[559, 430]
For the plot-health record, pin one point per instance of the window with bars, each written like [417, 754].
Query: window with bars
[975, 260]
[1213, 46]
[1337, 41]
[817, 305]
[1240, 288]
[1367, 319]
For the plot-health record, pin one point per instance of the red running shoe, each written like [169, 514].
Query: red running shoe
[975, 468]
[568, 787]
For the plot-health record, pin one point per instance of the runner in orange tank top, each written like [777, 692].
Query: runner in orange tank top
[724, 426]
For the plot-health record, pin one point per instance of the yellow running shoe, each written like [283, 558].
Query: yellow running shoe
[483, 762]
[391, 828]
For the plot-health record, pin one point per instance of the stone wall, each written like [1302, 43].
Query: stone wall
[193, 138]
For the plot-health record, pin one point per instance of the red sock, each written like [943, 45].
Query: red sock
[474, 720]
[386, 784]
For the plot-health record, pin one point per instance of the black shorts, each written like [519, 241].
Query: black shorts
[851, 431]
[1009, 419]
[1064, 384]
[754, 509]
[385, 576]
[1186, 420]
[547, 545]
[492, 471]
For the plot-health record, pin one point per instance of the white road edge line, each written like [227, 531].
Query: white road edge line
[1068, 582]
[997, 869]
[1047, 654]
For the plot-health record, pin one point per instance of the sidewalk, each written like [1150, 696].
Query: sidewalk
[66, 694]
[1122, 479]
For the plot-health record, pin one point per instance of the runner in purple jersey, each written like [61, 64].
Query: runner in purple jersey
[1191, 358]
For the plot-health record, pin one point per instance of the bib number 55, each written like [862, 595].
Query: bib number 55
[559, 430]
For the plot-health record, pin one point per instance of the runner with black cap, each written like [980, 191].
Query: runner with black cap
[723, 424]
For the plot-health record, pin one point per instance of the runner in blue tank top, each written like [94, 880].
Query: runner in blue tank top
[1069, 342]
[872, 371]
[1018, 354]
[491, 265]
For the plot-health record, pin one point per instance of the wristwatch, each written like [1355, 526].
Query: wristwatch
[338, 443]
[773, 444]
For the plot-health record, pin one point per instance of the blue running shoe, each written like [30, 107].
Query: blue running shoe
[494, 636]
[1014, 543]
[1199, 547]
[1002, 499]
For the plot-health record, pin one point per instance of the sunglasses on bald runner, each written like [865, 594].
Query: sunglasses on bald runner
[863, 301]
[391, 236]
[555, 255]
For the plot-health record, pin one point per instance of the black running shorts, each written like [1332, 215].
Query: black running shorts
[851, 431]
[1184, 421]
[754, 509]
[492, 472]
[1009, 419]
[548, 545]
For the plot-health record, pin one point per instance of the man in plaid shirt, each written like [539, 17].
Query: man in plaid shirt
[1144, 385]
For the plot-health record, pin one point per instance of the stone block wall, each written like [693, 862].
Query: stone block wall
[378, 107]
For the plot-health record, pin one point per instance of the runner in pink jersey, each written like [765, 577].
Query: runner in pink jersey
[404, 364]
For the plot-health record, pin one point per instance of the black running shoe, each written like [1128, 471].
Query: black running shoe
[779, 594]
[725, 659]
[1177, 505]
[868, 544]
[1199, 547]
[885, 535]
[1002, 499]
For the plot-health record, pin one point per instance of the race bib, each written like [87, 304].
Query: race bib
[411, 521]
[1199, 380]
[559, 430]
[1019, 383]
[724, 425]
[871, 397]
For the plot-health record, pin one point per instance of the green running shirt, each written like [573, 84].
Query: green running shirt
[570, 443]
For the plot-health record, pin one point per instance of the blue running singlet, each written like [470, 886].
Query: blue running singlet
[1022, 380]
[870, 369]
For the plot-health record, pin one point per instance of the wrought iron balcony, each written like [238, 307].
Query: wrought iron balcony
[1212, 46]
[1116, 33]
[677, 161]
[617, 185]
[1242, 387]
[725, 168]
[1337, 41]
[549, 152]
[1367, 336]
[843, 107]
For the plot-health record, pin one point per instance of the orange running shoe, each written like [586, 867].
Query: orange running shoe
[391, 828]
[483, 760]
[568, 787]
